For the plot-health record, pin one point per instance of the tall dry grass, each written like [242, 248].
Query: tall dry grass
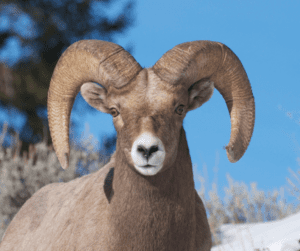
[22, 176]
[244, 204]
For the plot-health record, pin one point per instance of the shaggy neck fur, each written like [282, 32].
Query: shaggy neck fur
[154, 212]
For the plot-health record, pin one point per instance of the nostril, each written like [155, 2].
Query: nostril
[153, 149]
[141, 149]
[147, 152]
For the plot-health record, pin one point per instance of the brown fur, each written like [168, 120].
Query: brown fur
[117, 208]
[77, 215]
[127, 211]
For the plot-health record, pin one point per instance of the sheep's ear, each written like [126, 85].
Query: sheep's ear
[95, 96]
[199, 93]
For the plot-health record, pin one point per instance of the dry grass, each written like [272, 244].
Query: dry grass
[243, 204]
[21, 177]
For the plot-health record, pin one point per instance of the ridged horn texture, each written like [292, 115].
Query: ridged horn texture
[190, 62]
[97, 61]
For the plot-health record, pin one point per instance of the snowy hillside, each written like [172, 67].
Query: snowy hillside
[281, 235]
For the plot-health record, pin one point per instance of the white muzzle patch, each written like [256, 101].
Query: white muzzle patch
[148, 154]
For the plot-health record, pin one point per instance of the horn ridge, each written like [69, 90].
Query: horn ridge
[97, 61]
[190, 62]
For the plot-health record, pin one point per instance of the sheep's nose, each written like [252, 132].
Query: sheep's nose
[147, 152]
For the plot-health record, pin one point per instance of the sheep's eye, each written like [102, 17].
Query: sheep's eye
[114, 112]
[180, 109]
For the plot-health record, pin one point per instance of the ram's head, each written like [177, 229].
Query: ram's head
[148, 105]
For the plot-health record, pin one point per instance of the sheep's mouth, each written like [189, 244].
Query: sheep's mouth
[148, 166]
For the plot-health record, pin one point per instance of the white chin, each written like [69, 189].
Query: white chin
[148, 171]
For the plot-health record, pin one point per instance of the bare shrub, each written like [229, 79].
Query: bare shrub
[243, 205]
[21, 177]
[294, 182]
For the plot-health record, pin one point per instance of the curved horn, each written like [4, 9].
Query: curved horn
[190, 62]
[102, 62]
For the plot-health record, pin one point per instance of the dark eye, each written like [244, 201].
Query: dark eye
[114, 112]
[180, 109]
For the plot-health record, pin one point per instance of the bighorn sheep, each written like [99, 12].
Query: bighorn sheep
[144, 198]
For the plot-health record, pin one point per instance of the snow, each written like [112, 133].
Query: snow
[280, 235]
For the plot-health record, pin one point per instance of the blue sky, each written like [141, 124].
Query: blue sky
[265, 36]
